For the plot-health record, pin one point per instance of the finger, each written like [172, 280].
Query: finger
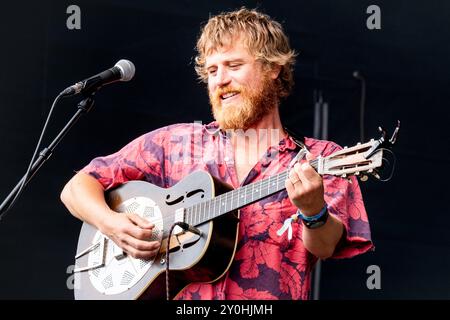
[141, 245]
[290, 188]
[137, 254]
[139, 221]
[138, 233]
[293, 177]
[309, 156]
[296, 183]
[306, 173]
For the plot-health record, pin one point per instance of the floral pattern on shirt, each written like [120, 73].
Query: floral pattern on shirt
[265, 266]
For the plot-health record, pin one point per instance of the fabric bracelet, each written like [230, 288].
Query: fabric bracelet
[314, 217]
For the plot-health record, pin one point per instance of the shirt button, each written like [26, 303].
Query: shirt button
[226, 159]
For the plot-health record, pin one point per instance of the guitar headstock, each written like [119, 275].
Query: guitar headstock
[360, 160]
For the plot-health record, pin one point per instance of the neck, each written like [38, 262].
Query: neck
[267, 131]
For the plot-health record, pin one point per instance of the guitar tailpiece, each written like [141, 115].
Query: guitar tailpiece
[187, 227]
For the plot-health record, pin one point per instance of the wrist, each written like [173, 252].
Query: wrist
[314, 221]
[312, 210]
[106, 222]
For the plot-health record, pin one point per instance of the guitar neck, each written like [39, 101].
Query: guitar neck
[238, 198]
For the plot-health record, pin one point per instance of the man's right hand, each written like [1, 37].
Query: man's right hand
[131, 233]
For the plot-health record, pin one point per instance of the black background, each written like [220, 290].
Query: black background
[406, 65]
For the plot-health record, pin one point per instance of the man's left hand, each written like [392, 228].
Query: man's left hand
[305, 188]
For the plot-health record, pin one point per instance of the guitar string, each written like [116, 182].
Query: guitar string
[169, 218]
[260, 185]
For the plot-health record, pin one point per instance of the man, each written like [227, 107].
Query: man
[245, 59]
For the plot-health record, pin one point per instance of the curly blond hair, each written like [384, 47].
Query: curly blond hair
[261, 35]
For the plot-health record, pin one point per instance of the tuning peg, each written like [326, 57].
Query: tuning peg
[344, 175]
[383, 133]
[356, 173]
[395, 134]
[358, 143]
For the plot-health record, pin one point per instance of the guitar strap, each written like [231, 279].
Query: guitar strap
[298, 138]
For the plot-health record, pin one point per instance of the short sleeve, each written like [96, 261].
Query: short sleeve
[141, 159]
[344, 200]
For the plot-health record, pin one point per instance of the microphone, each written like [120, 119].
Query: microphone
[123, 70]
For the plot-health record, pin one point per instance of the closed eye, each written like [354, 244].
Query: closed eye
[212, 71]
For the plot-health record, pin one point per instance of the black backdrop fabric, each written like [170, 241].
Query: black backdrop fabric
[405, 64]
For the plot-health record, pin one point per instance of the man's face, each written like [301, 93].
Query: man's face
[241, 92]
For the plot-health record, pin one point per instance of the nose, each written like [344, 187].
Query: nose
[223, 78]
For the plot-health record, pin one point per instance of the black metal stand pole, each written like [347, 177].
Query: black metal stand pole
[83, 107]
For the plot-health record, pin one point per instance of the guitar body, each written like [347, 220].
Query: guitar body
[193, 258]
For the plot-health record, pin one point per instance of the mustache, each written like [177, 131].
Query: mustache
[225, 90]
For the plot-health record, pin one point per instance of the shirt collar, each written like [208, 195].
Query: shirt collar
[287, 143]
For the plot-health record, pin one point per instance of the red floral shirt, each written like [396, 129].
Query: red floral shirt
[266, 266]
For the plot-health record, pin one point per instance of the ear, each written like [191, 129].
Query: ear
[275, 71]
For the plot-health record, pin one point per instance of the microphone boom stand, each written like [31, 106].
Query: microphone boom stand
[84, 106]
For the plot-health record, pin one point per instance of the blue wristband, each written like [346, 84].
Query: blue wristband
[314, 217]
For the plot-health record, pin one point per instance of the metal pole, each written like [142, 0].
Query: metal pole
[320, 132]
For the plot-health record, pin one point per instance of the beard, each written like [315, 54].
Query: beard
[254, 104]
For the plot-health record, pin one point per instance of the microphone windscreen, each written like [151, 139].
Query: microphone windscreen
[126, 68]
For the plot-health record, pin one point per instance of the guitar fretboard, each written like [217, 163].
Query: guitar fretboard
[236, 199]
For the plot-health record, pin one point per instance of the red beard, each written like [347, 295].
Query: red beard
[253, 105]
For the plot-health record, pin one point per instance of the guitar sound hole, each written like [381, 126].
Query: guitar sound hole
[174, 249]
[190, 244]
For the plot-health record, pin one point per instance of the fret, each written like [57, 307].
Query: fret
[191, 210]
[260, 188]
[197, 211]
[221, 205]
[225, 201]
[189, 217]
[253, 187]
[231, 201]
[236, 199]
[216, 207]
[245, 196]
[202, 211]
